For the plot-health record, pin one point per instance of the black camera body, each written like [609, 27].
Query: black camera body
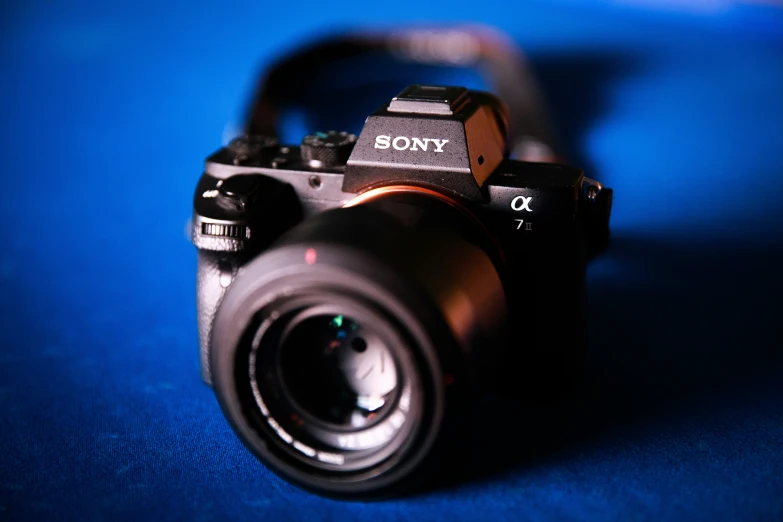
[460, 269]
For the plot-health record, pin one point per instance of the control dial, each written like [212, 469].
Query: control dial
[328, 149]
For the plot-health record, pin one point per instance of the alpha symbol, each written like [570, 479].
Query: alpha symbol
[521, 203]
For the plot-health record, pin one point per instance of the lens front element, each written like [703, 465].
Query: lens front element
[333, 382]
[337, 371]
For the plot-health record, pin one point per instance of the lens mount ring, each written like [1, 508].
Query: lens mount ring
[381, 192]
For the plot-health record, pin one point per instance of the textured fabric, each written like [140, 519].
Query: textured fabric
[106, 114]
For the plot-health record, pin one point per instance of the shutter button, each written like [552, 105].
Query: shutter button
[236, 192]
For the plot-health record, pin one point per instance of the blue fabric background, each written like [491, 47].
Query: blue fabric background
[106, 113]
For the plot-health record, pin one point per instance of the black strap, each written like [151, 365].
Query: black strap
[291, 80]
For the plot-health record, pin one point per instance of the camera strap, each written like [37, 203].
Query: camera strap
[290, 81]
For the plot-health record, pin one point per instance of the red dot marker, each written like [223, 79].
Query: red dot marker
[310, 256]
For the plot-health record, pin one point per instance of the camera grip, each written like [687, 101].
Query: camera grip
[214, 274]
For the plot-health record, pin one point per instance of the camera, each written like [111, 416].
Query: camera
[353, 292]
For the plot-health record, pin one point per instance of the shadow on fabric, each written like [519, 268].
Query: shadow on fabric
[671, 325]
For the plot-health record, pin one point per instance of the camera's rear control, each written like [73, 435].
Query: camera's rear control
[327, 149]
[278, 162]
[254, 147]
[429, 99]
[591, 189]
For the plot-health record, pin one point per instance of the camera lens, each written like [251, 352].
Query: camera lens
[337, 371]
[341, 352]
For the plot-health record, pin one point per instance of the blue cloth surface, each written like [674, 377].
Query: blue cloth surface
[106, 113]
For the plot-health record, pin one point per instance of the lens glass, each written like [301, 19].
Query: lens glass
[334, 382]
[337, 371]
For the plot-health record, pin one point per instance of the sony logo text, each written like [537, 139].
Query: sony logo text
[405, 143]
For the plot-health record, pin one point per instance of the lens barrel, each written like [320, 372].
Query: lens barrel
[338, 353]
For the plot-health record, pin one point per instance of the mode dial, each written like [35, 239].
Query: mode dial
[254, 147]
[328, 149]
